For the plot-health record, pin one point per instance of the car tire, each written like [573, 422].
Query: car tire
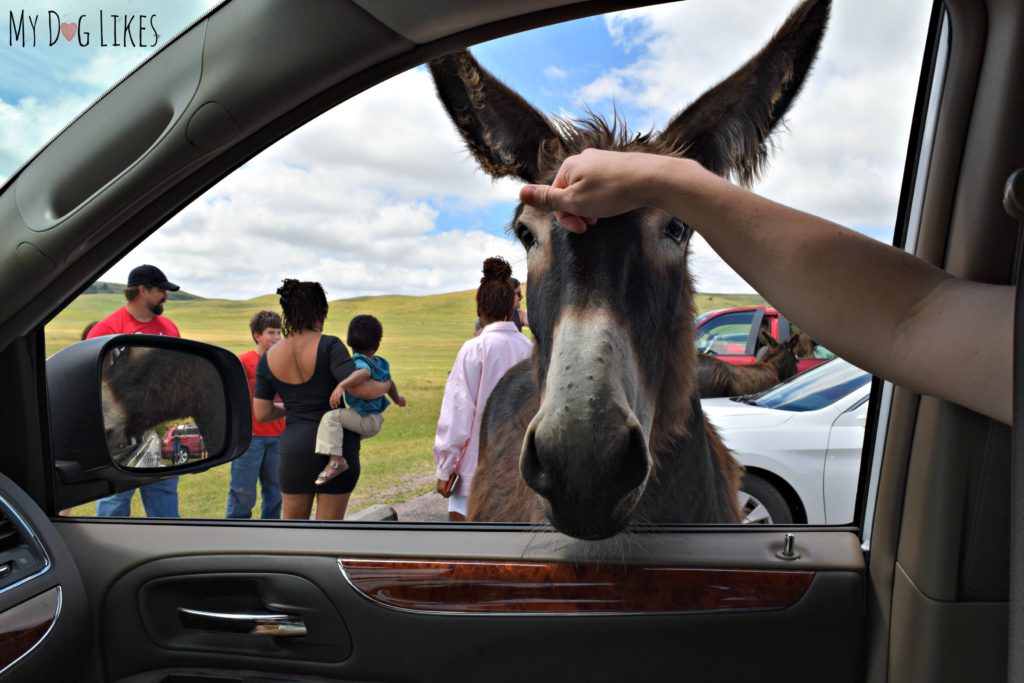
[762, 503]
[180, 456]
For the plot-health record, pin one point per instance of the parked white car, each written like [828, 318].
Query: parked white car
[801, 443]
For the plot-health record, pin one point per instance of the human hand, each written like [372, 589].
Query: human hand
[594, 184]
[400, 401]
[335, 399]
[443, 487]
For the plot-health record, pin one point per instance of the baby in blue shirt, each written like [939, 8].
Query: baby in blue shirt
[363, 416]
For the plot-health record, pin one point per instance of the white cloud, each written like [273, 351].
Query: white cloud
[107, 67]
[682, 49]
[229, 265]
[843, 152]
[351, 200]
[380, 195]
[711, 274]
[608, 86]
[28, 124]
[53, 84]
[555, 73]
[397, 138]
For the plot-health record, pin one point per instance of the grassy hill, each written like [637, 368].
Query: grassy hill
[116, 288]
[422, 335]
[713, 302]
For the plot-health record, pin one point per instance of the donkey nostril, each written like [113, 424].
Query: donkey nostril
[635, 464]
[534, 474]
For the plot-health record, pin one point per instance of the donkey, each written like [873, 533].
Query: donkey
[143, 387]
[716, 377]
[802, 345]
[602, 427]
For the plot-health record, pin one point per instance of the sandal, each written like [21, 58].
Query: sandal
[333, 469]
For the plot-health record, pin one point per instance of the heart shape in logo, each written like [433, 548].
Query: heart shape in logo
[69, 30]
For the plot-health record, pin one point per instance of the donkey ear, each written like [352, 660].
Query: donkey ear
[502, 130]
[767, 339]
[795, 343]
[728, 129]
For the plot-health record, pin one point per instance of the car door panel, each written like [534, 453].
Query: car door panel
[189, 604]
[920, 622]
[26, 625]
[43, 608]
[431, 586]
[667, 625]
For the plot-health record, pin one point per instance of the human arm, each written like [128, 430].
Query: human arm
[343, 367]
[355, 379]
[877, 306]
[445, 486]
[265, 410]
[395, 396]
[370, 389]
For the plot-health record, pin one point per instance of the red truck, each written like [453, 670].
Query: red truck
[730, 334]
[181, 442]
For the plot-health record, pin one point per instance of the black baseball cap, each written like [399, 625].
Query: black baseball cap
[151, 276]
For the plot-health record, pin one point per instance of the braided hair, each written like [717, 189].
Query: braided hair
[304, 305]
[496, 297]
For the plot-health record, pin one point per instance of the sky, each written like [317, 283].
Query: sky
[379, 196]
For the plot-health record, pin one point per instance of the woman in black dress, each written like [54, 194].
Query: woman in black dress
[303, 369]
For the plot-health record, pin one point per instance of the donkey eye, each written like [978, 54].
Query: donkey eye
[525, 235]
[678, 231]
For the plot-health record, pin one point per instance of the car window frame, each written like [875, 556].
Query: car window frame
[759, 315]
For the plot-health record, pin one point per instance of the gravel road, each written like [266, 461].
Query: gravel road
[430, 507]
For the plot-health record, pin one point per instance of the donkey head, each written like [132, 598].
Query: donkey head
[611, 309]
[782, 358]
[801, 345]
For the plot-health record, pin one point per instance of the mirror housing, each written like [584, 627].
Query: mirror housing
[109, 396]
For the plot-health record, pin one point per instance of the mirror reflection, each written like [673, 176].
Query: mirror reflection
[161, 408]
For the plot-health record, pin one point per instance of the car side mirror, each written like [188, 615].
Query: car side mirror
[126, 410]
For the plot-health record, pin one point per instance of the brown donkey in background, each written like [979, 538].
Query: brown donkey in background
[717, 378]
[602, 428]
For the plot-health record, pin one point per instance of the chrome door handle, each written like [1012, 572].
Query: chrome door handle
[248, 623]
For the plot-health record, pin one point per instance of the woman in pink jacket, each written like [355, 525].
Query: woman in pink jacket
[481, 362]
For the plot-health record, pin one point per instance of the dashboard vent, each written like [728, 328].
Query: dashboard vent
[21, 555]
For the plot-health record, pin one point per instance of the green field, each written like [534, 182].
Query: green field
[422, 335]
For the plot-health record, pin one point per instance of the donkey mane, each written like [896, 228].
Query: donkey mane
[593, 131]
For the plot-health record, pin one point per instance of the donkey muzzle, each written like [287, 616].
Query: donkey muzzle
[585, 452]
[589, 478]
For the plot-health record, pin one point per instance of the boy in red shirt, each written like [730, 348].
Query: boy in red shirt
[263, 456]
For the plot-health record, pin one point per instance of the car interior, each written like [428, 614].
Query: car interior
[917, 588]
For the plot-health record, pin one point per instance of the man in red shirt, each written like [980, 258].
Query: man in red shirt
[142, 314]
[263, 457]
